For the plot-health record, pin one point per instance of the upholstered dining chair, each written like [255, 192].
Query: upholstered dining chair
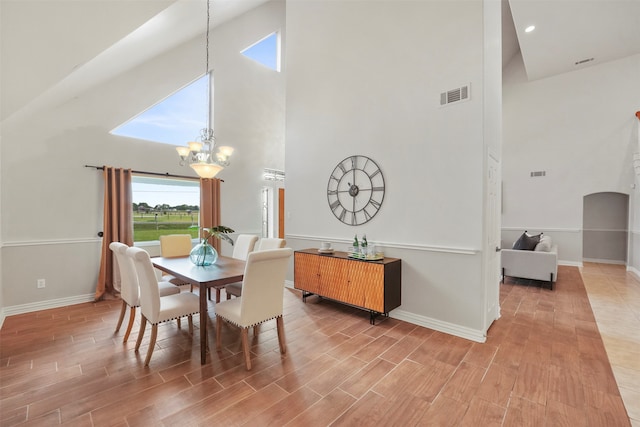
[235, 289]
[175, 245]
[129, 286]
[262, 298]
[154, 309]
[245, 243]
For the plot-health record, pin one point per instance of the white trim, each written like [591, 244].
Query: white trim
[2, 317]
[544, 229]
[604, 261]
[427, 322]
[289, 284]
[409, 246]
[633, 271]
[438, 325]
[570, 263]
[44, 305]
[51, 242]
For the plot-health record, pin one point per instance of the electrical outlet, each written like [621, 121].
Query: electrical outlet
[41, 283]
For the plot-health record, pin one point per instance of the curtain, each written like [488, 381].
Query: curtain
[210, 205]
[117, 224]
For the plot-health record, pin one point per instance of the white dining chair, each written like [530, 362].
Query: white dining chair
[154, 309]
[175, 245]
[129, 291]
[235, 289]
[245, 243]
[262, 298]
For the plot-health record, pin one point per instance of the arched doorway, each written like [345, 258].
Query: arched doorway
[605, 227]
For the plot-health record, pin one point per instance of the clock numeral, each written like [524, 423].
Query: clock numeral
[342, 168]
[334, 178]
[367, 215]
[353, 219]
[375, 204]
[375, 173]
[354, 162]
[342, 215]
[334, 205]
[366, 163]
[377, 189]
[332, 192]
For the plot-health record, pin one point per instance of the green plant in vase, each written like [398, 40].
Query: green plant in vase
[203, 253]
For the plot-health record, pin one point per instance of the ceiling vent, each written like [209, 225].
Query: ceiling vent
[455, 95]
[584, 61]
[538, 173]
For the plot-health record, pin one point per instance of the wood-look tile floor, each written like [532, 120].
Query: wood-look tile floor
[614, 295]
[544, 364]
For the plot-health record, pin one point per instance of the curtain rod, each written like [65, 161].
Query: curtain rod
[166, 174]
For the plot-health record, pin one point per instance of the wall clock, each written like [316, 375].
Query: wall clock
[355, 190]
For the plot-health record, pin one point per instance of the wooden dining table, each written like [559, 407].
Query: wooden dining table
[225, 270]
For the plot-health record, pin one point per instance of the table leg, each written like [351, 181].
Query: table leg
[203, 324]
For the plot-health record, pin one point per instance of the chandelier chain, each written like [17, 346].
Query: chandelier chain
[206, 71]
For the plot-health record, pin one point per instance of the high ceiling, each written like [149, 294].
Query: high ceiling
[573, 34]
[44, 60]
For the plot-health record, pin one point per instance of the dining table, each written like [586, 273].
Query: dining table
[224, 271]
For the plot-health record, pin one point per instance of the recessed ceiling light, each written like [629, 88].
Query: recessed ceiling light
[529, 28]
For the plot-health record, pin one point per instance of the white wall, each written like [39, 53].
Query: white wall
[580, 128]
[52, 204]
[249, 113]
[365, 78]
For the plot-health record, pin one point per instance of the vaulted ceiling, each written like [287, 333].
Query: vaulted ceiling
[54, 49]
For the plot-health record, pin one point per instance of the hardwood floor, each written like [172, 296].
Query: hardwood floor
[544, 364]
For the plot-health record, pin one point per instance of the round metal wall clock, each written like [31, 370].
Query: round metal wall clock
[355, 190]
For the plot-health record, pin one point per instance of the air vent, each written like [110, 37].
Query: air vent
[584, 61]
[538, 173]
[455, 95]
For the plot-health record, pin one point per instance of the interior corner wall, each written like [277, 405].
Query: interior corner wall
[364, 78]
[579, 128]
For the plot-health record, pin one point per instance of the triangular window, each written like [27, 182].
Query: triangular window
[174, 120]
[265, 51]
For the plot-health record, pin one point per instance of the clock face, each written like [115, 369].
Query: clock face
[355, 190]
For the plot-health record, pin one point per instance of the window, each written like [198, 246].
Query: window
[164, 206]
[267, 212]
[174, 120]
[265, 51]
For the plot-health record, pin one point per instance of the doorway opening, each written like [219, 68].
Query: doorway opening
[605, 227]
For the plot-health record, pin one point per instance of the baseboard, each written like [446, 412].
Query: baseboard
[427, 322]
[570, 263]
[44, 305]
[634, 271]
[604, 261]
[438, 325]
[2, 316]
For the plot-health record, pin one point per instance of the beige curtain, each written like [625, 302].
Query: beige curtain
[210, 205]
[117, 224]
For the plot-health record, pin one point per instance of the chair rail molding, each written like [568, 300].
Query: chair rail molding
[50, 242]
[395, 245]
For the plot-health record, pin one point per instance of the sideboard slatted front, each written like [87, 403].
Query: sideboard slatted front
[371, 285]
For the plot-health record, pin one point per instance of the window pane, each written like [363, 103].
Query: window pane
[265, 52]
[164, 206]
[174, 120]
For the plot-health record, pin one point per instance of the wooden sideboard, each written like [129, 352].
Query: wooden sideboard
[370, 285]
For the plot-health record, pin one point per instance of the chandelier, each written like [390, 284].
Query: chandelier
[203, 155]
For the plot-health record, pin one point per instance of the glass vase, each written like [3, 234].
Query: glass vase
[203, 254]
